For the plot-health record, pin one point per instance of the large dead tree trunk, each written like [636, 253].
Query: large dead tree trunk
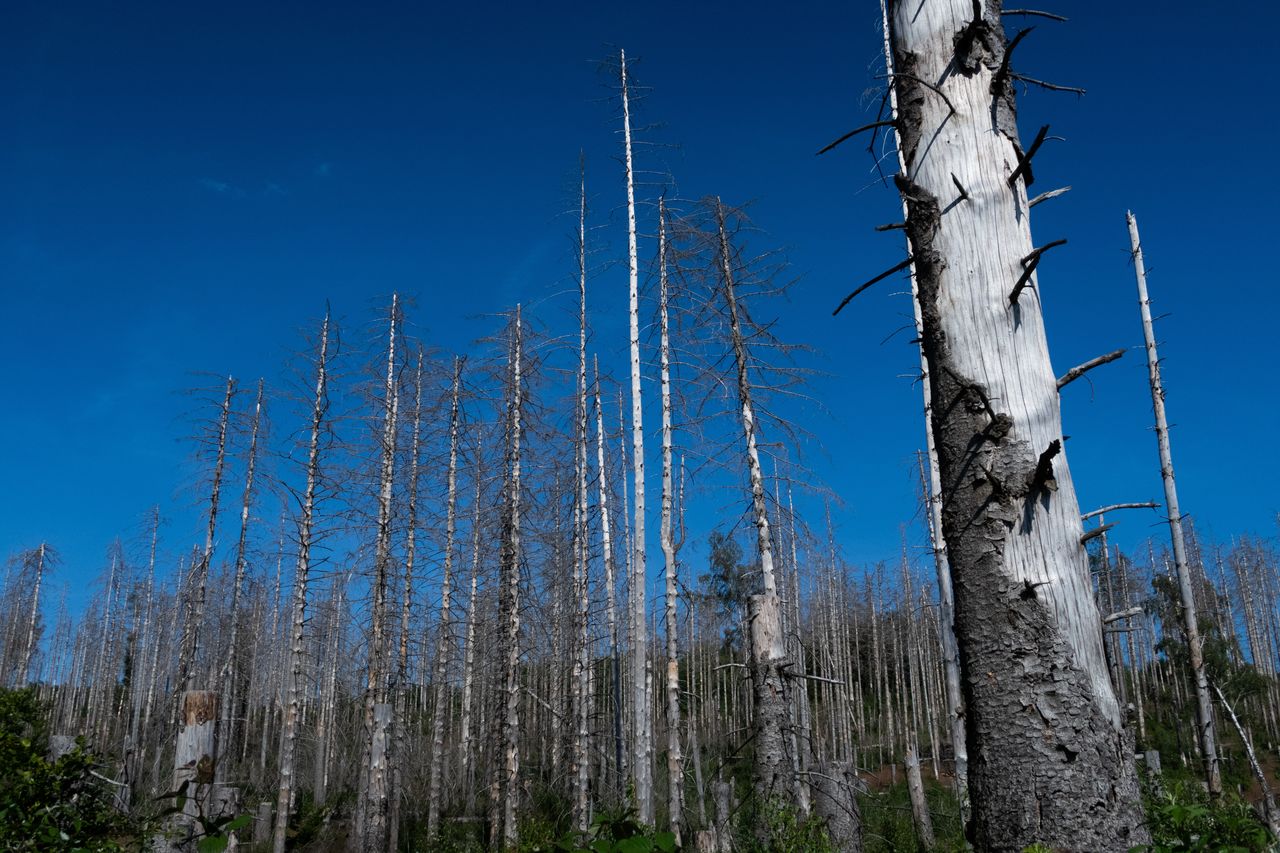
[581, 663]
[1190, 622]
[1051, 761]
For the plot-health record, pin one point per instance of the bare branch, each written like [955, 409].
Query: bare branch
[1106, 509]
[1080, 370]
[881, 277]
[1046, 196]
[855, 132]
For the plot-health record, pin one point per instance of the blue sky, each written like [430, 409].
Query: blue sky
[184, 186]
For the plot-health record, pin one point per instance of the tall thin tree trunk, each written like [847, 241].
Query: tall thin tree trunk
[675, 759]
[374, 794]
[1057, 766]
[510, 605]
[611, 613]
[444, 641]
[641, 769]
[1190, 624]
[771, 728]
[581, 695]
[230, 667]
[289, 726]
[191, 653]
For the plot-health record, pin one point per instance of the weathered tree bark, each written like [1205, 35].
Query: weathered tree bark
[835, 802]
[466, 746]
[296, 687]
[444, 640]
[194, 761]
[1050, 759]
[33, 618]
[642, 770]
[1190, 623]
[374, 793]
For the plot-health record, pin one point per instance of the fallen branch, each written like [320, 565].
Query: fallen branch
[1123, 614]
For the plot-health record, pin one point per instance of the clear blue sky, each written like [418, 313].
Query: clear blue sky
[185, 185]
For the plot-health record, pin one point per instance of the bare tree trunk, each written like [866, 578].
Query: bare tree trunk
[1191, 628]
[399, 756]
[469, 657]
[1057, 765]
[230, 667]
[191, 652]
[675, 760]
[194, 761]
[443, 640]
[1268, 797]
[510, 604]
[581, 673]
[24, 670]
[289, 726]
[611, 613]
[642, 771]
[374, 792]
[774, 767]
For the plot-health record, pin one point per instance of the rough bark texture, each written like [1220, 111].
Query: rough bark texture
[1050, 761]
[834, 801]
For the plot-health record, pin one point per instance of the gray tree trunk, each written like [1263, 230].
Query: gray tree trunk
[1051, 761]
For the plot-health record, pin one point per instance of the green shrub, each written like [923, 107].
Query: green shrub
[1181, 818]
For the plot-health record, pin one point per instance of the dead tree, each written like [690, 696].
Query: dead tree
[306, 525]
[1054, 758]
[642, 770]
[1190, 623]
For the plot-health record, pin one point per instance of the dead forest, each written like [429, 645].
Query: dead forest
[457, 601]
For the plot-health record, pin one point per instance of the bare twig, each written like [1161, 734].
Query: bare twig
[1096, 532]
[1053, 87]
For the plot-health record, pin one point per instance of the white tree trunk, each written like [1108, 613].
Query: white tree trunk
[641, 769]
[675, 760]
[296, 687]
[1190, 624]
[443, 640]
[510, 606]
[1056, 761]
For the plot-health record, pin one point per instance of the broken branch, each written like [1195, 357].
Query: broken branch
[881, 277]
[1046, 196]
[853, 133]
[1096, 532]
[1024, 162]
[1080, 370]
[1106, 509]
[1034, 13]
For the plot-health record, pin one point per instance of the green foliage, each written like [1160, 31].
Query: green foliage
[887, 826]
[612, 831]
[788, 831]
[1181, 818]
[729, 584]
[50, 805]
